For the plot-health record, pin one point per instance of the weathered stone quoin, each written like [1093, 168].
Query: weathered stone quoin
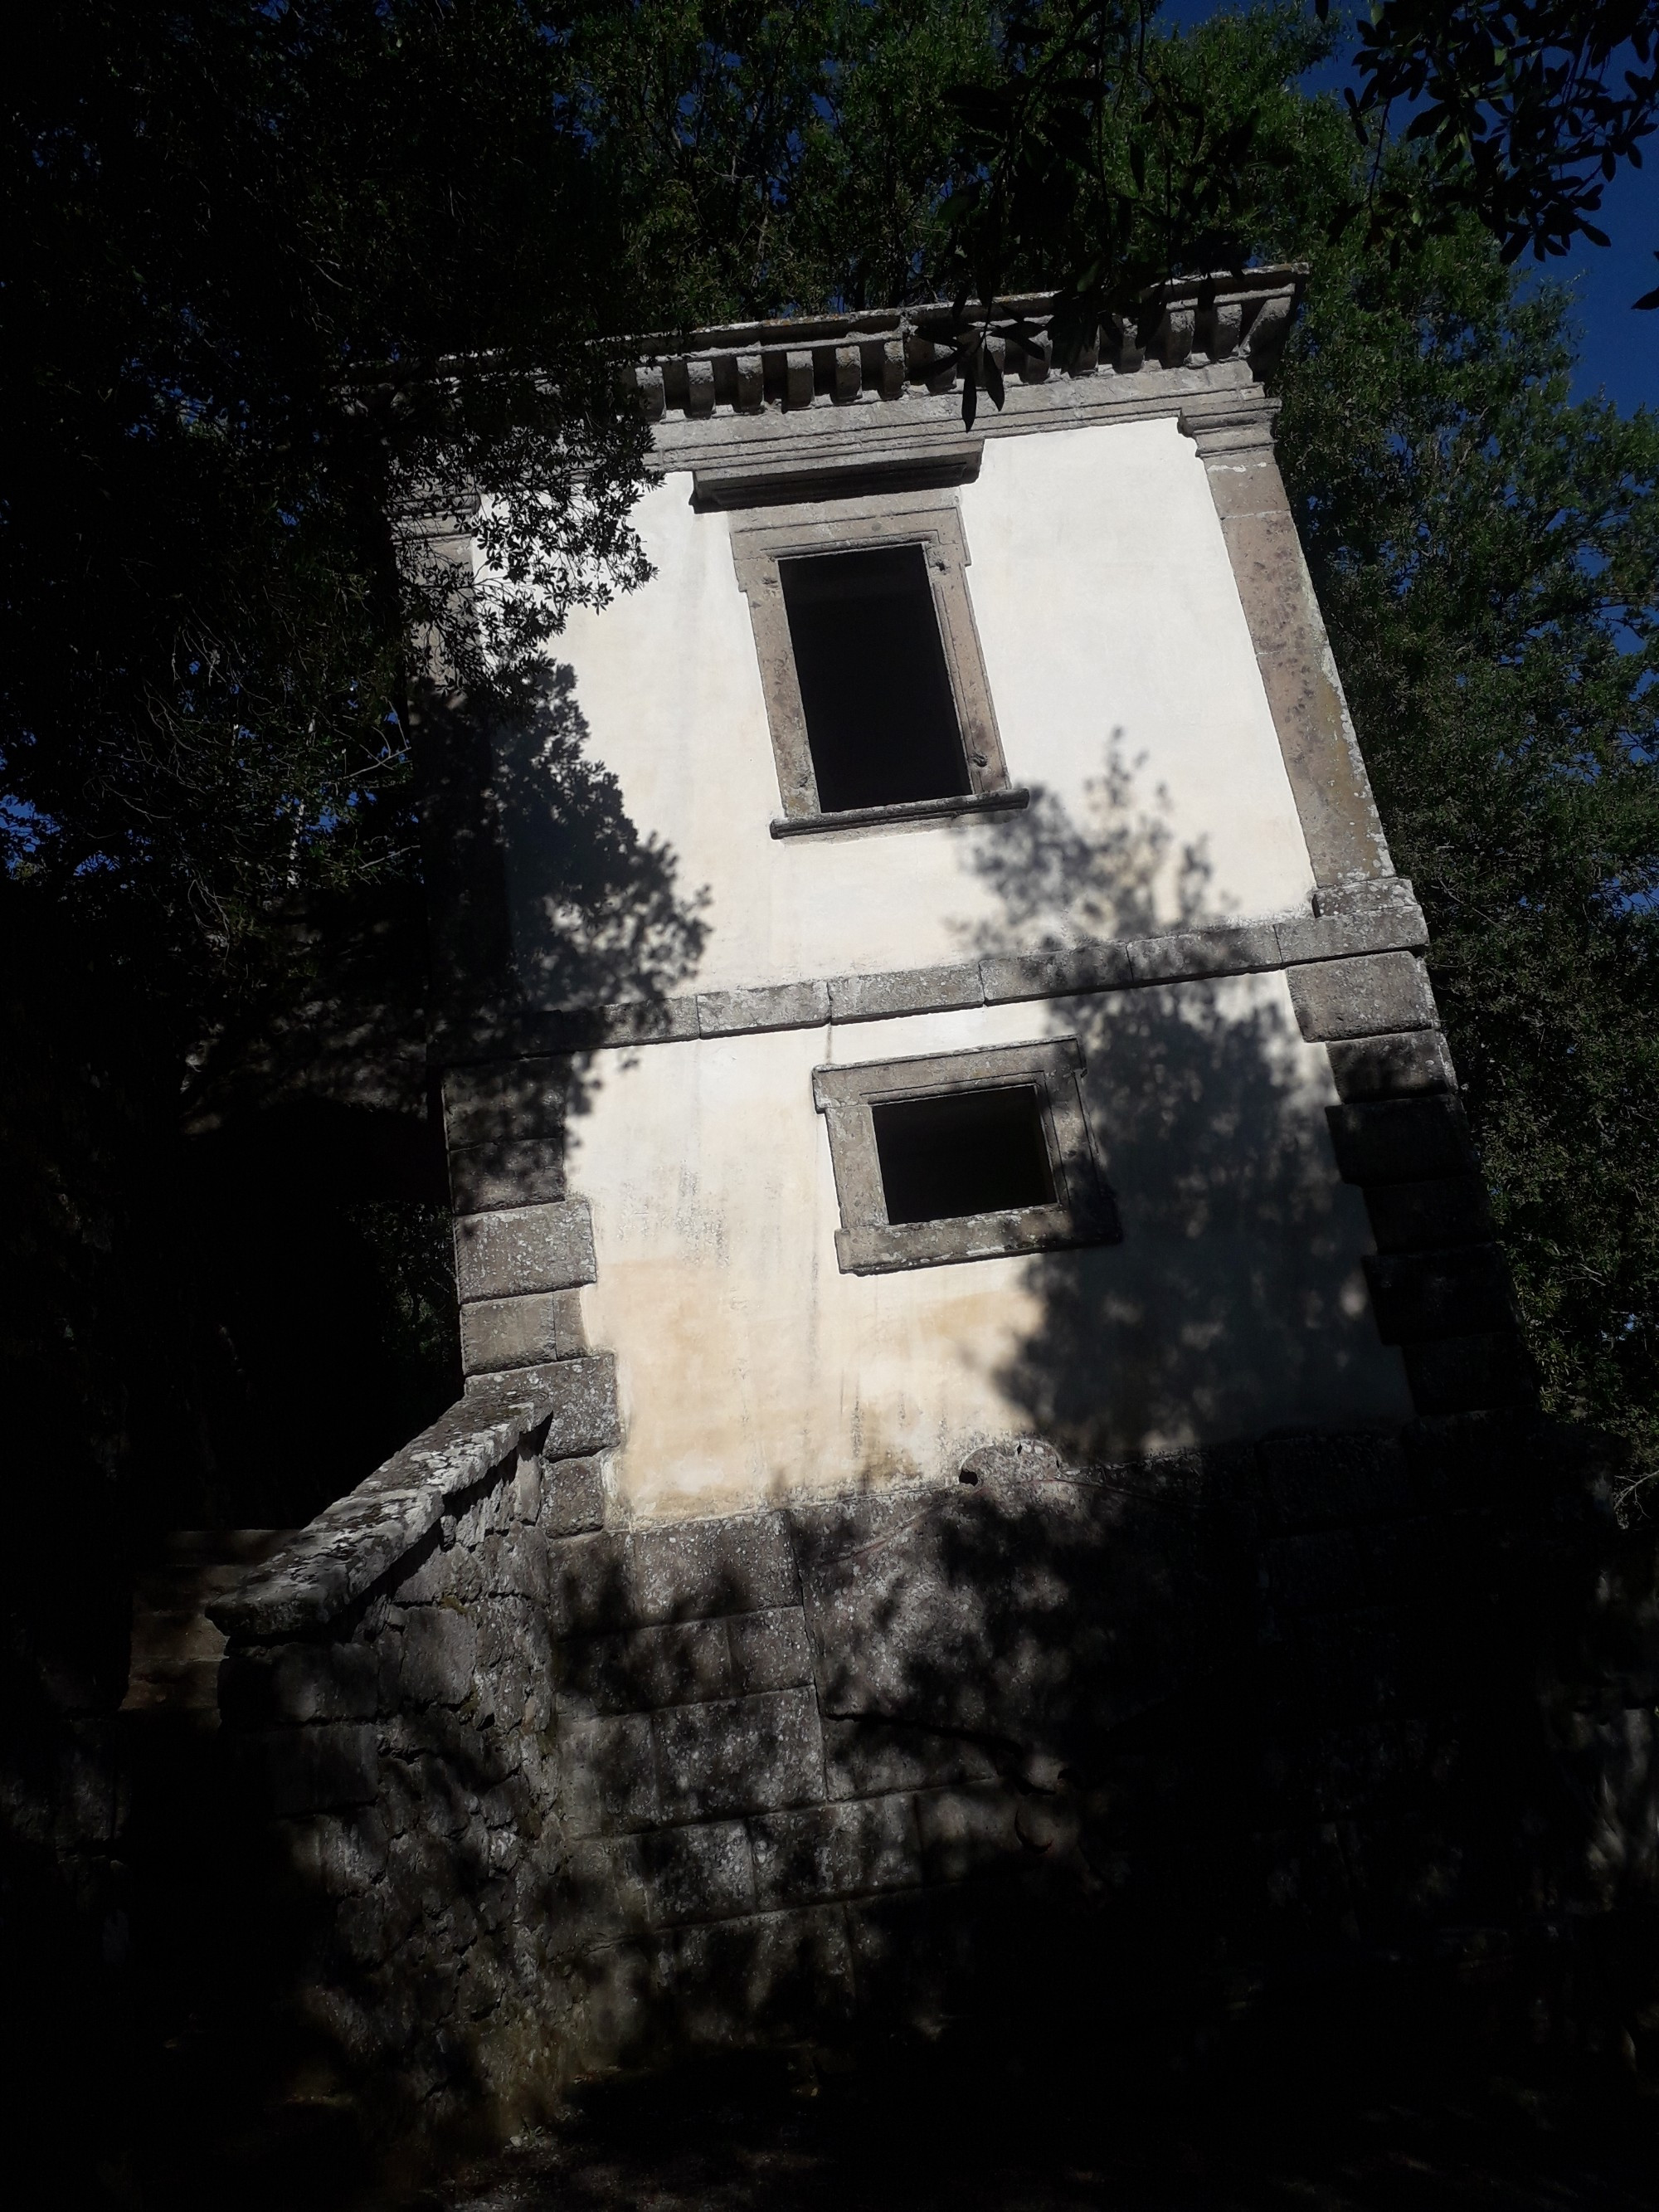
[808, 1608]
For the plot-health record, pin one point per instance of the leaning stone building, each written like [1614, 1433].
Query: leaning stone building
[963, 1293]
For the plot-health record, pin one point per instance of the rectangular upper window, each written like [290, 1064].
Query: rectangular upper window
[961, 1156]
[870, 661]
[881, 723]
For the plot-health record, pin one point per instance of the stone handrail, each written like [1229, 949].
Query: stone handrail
[356, 1542]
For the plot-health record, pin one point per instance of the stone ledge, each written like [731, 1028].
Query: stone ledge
[905, 991]
[362, 1538]
[1388, 922]
[1010, 801]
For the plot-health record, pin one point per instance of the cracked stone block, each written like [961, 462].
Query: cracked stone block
[769, 1650]
[835, 1851]
[1392, 1066]
[1096, 967]
[703, 1872]
[743, 1755]
[866, 1758]
[608, 1775]
[440, 1649]
[584, 1415]
[1224, 950]
[500, 1334]
[514, 1565]
[430, 1575]
[511, 1171]
[525, 1489]
[679, 1663]
[905, 991]
[292, 1683]
[742, 1982]
[965, 1832]
[1360, 998]
[765, 1006]
[523, 1248]
[505, 1102]
[573, 1494]
[690, 1570]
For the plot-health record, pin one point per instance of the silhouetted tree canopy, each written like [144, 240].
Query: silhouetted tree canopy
[1525, 107]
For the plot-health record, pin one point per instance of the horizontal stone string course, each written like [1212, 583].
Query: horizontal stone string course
[1388, 921]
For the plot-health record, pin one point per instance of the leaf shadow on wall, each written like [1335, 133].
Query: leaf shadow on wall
[1234, 1303]
[594, 910]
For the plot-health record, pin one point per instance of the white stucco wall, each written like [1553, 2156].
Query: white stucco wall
[1126, 690]
[750, 1367]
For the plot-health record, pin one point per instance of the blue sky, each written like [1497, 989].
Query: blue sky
[1621, 349]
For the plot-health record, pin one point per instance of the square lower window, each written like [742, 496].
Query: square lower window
[962, 1156]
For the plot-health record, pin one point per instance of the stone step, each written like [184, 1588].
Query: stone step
[176, 1649]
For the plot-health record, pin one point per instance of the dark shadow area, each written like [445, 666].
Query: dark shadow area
[593, 910]
[234, 1297]
[324, 1289]
[1343, 2118]
[1271, 1821]
[1234, 1302]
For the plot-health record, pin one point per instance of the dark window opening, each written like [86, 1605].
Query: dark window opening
[970, 1152]
[881, 723]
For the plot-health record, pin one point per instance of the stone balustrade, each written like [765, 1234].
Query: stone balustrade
[884, 354]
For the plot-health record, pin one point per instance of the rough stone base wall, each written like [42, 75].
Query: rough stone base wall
[551, 1795]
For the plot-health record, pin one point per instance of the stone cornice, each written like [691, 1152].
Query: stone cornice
[787, 367]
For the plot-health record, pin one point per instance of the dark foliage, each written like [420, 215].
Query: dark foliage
[1525, 108]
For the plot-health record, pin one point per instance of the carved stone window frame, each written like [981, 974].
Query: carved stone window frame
[868, 1243]
[930, 519]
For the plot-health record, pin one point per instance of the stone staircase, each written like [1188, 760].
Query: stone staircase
[176, 1650]
[202, 2115]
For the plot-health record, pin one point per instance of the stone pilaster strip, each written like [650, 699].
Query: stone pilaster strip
[1328, 776]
